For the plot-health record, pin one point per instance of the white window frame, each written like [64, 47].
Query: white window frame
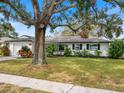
[93, 46]
[77, 46]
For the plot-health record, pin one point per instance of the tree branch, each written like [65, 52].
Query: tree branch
[64, 8]
[47, 14]
[69, 26]
[3, 11]
[20, 14]
[61, 1]
[25, 22]
[36, 8]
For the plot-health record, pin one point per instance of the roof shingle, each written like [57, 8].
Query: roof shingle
[77, 39]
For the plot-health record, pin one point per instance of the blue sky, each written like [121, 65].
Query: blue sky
[23, 30]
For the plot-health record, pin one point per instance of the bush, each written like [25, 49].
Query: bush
[78, 53]
[4, 51]
[67, 52]
[97, 53]
[25, 52]
[85, 53]
[116, 49]
[90, 54]
[25, 48]
[51, 49]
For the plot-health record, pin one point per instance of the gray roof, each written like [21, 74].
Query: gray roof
[20, 40]
[62, 39]
[23, 38]
[77, 39]
[26, 36]
[3, 39]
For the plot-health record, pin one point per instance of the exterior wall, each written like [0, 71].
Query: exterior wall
[69, 46]
[16, 46]
[103, 48]
[122, 56]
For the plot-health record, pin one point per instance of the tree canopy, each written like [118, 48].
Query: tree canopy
[6, 30]
[59, 11]
[100, 24]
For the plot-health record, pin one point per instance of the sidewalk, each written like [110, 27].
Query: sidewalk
[49, 86]
[6, 58]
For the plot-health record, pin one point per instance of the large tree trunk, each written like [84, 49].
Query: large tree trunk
[39, 47]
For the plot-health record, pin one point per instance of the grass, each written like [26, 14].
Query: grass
[91, 72]
[7, 88]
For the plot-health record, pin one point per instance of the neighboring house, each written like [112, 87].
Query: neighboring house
[76, 43]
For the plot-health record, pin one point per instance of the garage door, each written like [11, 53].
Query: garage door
[16, 48]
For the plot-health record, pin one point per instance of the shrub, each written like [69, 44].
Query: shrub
[25, 48]
[78, 53]
[85, 52]
[116, 49]
[25, 52]
[51, 49]
[67, 52]
[4, 51]
[90, 54]
[97, 53]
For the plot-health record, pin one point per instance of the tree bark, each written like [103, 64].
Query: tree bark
[39, 47]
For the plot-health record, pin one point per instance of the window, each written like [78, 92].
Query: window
[77, 46]
[61, 47]
[93, 46]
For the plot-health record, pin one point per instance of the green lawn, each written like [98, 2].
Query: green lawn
[91, 72]
[7, 88]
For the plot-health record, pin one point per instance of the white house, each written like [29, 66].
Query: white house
[3, 40]
[75, 43]
[16, 44]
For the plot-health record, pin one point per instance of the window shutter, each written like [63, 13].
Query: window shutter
[80, 46]
[87, 46]
[98, 46]
[73, 46]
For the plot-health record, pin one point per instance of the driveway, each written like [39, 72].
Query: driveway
[6, 58]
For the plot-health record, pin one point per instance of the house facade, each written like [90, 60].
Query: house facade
[75, 43]
[16, 44]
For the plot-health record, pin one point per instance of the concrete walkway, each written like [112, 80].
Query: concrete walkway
[6, 58]
[52, 87]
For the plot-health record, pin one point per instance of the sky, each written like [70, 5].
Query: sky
[24, 30]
